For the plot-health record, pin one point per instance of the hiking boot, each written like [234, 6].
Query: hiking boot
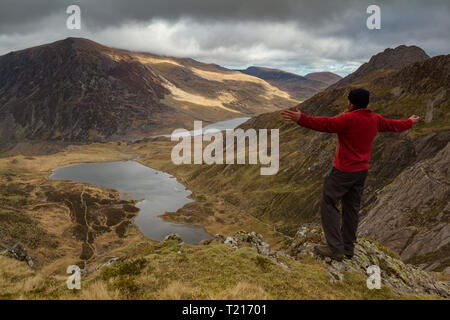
[348, 253]
[324, 251]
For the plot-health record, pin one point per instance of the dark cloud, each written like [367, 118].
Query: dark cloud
[105, 13]
[293, 34]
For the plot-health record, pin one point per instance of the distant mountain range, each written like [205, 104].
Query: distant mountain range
[76, 90]
[300, 87]
[406, 201]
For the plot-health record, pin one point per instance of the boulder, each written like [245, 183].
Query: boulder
[18, 252]
[256, 240]
[232, 242]
[173, 236]
[219, 238]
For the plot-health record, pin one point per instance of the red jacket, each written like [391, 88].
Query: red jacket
[356, 131]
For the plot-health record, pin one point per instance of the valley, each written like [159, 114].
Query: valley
[120, 262]
[262, 227]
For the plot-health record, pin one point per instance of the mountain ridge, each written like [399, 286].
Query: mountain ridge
[389, 59]
[301, 87]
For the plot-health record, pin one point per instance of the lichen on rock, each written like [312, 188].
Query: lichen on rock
[401, 278]
[255, 240]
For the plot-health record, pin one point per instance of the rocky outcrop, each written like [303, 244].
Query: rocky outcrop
[401, 278]
[411, 215]
[88, 270]
[19, 252]
[174, 237]
[255, 240]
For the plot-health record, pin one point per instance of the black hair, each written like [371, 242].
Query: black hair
[359, 98]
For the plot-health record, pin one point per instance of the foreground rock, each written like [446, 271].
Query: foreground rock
[255, 240]
[18, 252]
[395, 274]
[173, 236]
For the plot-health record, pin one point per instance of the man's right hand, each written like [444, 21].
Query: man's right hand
[414, 119]
[291, 116]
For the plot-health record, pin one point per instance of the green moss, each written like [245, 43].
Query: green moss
[125, 268]
[358, 283]
[382, 248]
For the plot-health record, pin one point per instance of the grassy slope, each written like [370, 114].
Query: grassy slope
[157, 270]
[150, 270]
[210, 92]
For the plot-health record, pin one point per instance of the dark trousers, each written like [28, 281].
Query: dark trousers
[346, 187]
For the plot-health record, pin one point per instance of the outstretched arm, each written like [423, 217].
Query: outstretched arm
[323, 124]
[385, 125]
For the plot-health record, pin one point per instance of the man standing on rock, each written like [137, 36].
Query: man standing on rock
[356, 130]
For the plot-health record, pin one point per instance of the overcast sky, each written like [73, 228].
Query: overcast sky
[293, 35]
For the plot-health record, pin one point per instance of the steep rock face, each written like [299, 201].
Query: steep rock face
[411, 215]
[389, 59]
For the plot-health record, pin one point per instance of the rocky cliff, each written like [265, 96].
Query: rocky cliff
[411, 215]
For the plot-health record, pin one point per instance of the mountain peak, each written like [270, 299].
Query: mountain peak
[397, 58]
[389, 59]
[80, 43]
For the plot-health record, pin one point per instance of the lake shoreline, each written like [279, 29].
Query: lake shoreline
[149, 219]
